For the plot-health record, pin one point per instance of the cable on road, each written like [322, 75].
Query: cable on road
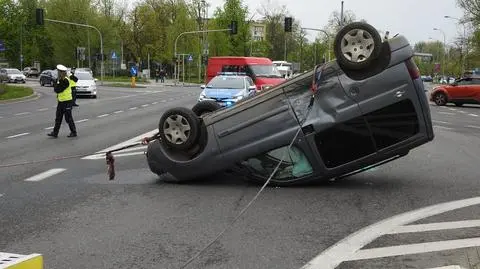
[310, 105]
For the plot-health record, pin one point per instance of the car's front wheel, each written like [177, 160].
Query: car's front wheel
[357, 45]
[179, 128]
[440, 99]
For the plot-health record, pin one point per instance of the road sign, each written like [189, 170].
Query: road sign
[190, 58]
[133, 70]
[2, 45]
[114, 55]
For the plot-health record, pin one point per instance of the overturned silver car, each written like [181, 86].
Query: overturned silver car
[364, 109]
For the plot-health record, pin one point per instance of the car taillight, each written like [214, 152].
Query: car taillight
[412, 69]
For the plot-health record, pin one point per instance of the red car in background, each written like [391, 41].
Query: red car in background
[462, 91]
[262, 70]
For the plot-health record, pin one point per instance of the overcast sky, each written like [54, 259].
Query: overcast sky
[413, 18]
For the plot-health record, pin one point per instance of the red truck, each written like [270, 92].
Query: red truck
[262, 70]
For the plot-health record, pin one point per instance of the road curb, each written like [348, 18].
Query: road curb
[35, 95]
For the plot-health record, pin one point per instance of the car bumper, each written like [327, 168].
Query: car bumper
[222, 103]
[16, 80]
[84, 92]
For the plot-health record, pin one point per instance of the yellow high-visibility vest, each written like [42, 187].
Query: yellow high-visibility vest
[72, 83]
[66, 95]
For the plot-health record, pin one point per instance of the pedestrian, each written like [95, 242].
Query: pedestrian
[162, 75]
[157, 75]
[73, 82]
[63, 89]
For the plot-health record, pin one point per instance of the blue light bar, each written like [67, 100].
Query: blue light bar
[231, 74]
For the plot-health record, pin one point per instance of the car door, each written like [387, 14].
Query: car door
[390, 101]
[459, 89]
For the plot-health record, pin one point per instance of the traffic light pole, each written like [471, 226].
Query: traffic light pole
[101, 41]
[177, 77]
[328, 38]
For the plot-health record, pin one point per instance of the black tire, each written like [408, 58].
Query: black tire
[188, 118]
[373, 50]
[440, 99]
[205, 107]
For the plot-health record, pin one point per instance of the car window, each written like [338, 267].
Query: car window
[14, 71]
[227, 83]
[476, 81]
[250, 81]
[84, 76]
[466, 81]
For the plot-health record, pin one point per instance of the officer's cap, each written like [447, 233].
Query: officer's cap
[61, 67]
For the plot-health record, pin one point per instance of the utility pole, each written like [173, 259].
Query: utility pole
[341, 16]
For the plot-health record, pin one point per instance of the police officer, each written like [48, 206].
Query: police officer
[73, 82]
[63, 89]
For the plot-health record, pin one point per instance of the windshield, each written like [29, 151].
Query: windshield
[13, 71]
[84, 76]
[267, 71]
[227, 83]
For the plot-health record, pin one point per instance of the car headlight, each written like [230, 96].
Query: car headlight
[203, 96]
[238, 98]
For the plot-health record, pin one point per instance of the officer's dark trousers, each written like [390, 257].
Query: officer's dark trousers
[64, 108]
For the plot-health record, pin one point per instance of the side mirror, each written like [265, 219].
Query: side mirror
[202, 87]
[252, 89]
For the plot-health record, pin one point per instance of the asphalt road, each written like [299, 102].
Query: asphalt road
[76, 218]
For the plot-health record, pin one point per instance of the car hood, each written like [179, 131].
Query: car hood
[16, 75]
[269, 81]
[85, 83]
[222, 93]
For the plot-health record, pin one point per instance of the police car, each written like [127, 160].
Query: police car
[227, 88]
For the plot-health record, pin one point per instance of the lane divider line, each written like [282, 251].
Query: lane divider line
[42, 109]
[23, 113]
[49, 128]
[446, 113]
[154, 103]
[104, 115]
[473, 126]
[119, 111]
[145, 105]
[133, 108]
[416, 228]
[442, 127]
[473, 115]
[443, 122]
[18, 135]
[84, 120]
[46, 174]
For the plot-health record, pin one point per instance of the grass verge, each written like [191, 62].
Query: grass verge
[8, 92]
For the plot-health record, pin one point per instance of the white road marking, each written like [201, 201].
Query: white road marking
[23, 113]
[130, 141]
[449, 267]
[104, 115]
[473, 115]
[164, 101]
[462, 112]
[453, 109]
[446, 113]
[1, 117]
[84, 120]
[473, 126]
[17, 135]
[345, 249]
[443, 122]
[42, 109]
[145, 105]
[436, 226]
[1, 194]
[442, 127]
[48, 128]
[374, 253]
[133, 108]
[154, 103]
[171, 99]
[119, 111]
[46, 174]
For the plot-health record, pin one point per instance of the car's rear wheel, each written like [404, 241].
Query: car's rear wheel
[440, 99]
[179, 128]
[357, 45]
[204, 107]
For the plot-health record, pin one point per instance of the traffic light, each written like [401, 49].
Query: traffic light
[233, 27]
[288, 24]
[39, 16]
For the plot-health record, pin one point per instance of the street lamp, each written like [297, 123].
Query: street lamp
[464, 60]
[444, 46]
